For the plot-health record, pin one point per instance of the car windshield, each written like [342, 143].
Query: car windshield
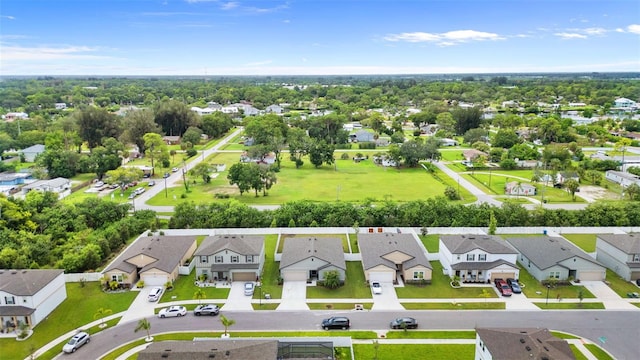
[72, 341]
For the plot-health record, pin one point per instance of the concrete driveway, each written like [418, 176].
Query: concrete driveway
[388, 300]
[237, 300]
[608, 297]
[294, 296]
[141, 307]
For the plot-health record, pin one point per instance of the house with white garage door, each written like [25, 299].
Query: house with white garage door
[557, 258]
[309, 258]
[478, 258]
[620, 253]
[152, 259]
[230, 257]
[391, 258]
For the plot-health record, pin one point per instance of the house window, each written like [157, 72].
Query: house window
[418, 275]
[554, 275]
[9, 300]
[117, 277]
[249, 258]
[218, 258]
[636, 257]
[482, 257]
[234, 259]
[204, 259]
[471, 257]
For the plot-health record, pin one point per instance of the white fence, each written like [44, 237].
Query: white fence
[79, 277]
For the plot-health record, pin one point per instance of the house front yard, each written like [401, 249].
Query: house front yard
[355, 286]
[535, 289]
[184, 289]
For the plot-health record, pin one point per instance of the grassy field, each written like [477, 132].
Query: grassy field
[348, 181]
[414, 351]
[440, 288]
[559, 305]
[270, 271]
[430, 334]
[620, 285]
[586, 242]
[534, 288]
[495, 184]
[77, 310]
[456, 306]
[184, 289]
[337, 306]
[431, 242]
[355, 286]
[598, 352]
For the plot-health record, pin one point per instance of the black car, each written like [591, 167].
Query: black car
[515, 286]
[336, 322]
[209, 309]
[166, 175]
[404, 323]
[638, 282]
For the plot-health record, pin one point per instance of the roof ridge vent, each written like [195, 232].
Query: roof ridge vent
[522, 340]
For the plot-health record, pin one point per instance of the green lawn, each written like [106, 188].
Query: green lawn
[270, 271]
[349, 181]
[559, 305]
[431, 242]
[355, 286]
[77, 310]
[577, 353]
[494, 183]
[586, 242]
[264, 306]
[620, 285]
[455, 306]
[535, 289]
[440, 288]
[184, 288]
[452, 155]
[563, 335]
[353, 241]
[337, 306]
[430, 334]
[598, 352]
[414, 351]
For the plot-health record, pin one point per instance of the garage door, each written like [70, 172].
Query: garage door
[635, 275]
[300, 275]
[505, 276]
[243, 276]
[154, 280]
[591, 275]
[380, 276]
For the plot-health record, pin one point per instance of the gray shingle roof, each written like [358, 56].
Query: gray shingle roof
[482, 265]
[167, 250]
[374, 246]
[227, 349]
[524, 343]
[241, 244]
[627, 243]
[297, 249]
[12, 310]
[545, 251]
[26, 282]
[461, 244]
[37, 148]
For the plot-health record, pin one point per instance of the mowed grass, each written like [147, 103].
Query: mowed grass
[559, 305]
[184, 289]
[355, 286]
[347, 181]
[621, 286]
[414, 351]
[431, 242]
[271, 270]
[76, 311]
[586, 242]
[535, 289]
[598, 352]
[456, 306]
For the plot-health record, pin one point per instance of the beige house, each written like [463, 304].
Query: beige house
[152, 259]
[391, 257]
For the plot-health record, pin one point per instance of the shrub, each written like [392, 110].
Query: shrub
[192, 152]
[451, 193]
[344, 156]
[367, 145]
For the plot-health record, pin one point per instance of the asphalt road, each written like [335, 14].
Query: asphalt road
[620, 328]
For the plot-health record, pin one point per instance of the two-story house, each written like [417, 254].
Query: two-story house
[29, 296]
[620, 253]
[230, 257]
[478, 258]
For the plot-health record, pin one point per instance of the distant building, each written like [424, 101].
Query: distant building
[12, 116]
[32, 152]
[60, 186]
[61, 106]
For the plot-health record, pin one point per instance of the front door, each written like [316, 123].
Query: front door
[313, 274]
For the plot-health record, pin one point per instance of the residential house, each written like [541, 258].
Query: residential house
[153, 259]
[429, 129]
[510, 104]
[448, 142]
[352, 126]
[548, 257]
[528, 164]
[268, 159]
[520, 344]
[563, 176]
[274, 109]
[31, 152]
[362, 136]
[171, 140]
[8, 178]
[12, 116]
[625, 104]
[392, 258]
[214, 106]
[203, 111]
[519, 188]
[309, 258]
[577, 104]
[60, 186]
[230, 257]
[623, 178]
[60, 106]
[472, 154]
[620, 253]
[478, 258]
[29, 296]
[384, 160]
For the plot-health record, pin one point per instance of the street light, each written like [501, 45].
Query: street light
[548, 287]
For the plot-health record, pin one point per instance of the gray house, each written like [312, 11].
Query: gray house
[31, 152]
[520, 343]
[389, 257]
[620, 253]
[555, 257]
[310, 258]
[362, 136]
[230, 257]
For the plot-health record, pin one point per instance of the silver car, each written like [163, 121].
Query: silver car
[76, 342]
[248, 288]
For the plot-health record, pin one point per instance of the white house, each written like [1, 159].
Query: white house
[201, 111]
[29, 296]
[61, 106]
[624, 103]
[448, 142]
[519, 188]
[620, 253]
[274, 109]
[60, 186]
[623, 178]
[478, 258]
[9, 117]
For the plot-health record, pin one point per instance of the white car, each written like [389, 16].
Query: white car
[76, 341]
[376, 288]
[173, 311]
[248, 288]
[155, 293]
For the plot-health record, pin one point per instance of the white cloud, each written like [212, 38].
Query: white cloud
[8, 17]
[634, 28]
[287, 21]
[595, 31]
[230, 5]
[199, 1]
[568, 36]
[68, 52]
[443, 39]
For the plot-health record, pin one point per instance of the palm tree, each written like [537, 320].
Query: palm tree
[100, 314]
[226, 323]
[144, 324]
[199, 294]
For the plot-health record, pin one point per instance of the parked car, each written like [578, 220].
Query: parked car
[638, 282]
[76, 342]
[99, 184]
[166, 175]
[132, 196]
[139, 190]
[515, 286]
[404, 322]
[151, 183]
[503, 287]
[173, 311]
[336, 322]
[155, 293]
[114, 186]
[376, 288]
[209, 309]
[249, 288]
[175, 169]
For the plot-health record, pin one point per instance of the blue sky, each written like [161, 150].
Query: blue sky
[309, 37]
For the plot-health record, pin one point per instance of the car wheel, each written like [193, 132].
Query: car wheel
[88, 341]
[179, 315]
[73, 350]
[197, 314]
[162, 316]
[325, 328]
[344, 328]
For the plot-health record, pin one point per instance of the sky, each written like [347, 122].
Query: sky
[317, 37]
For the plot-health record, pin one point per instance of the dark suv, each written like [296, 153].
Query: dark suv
[337, 322]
